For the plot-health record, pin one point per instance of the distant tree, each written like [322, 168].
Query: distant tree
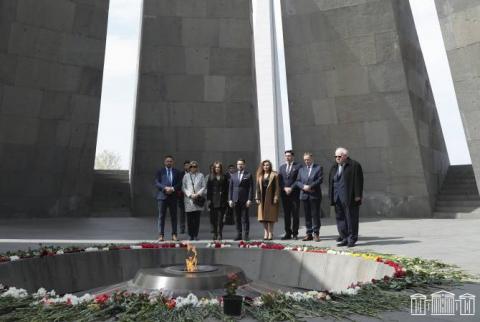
[107, 160]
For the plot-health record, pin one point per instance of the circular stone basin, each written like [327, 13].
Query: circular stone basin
[105, 270]
[176, 279]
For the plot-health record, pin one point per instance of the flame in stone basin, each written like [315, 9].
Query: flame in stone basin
[191, 261]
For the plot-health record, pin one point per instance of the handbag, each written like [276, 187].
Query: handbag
[200, 200]
[229, 218]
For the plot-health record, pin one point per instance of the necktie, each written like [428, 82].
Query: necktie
[239, 175]
[289, 168]
[169, 174]
[340, 169]
[309, 170]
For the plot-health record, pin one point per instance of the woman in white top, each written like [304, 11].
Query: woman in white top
[193, 187]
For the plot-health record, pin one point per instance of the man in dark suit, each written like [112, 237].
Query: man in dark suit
[181, 202]
[309, 179]
[345, 191]
[287, 175]
[168, 184]
[240, 194]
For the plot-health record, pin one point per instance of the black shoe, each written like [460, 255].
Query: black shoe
[316, 238]
[246, 238]
[350, 245]
[339, 239]
[307, 238]
[214, 237]
[220, 237]
[239, 237]
[182, 231]
[295, 237]
[191, 238]
[342, 243]
[286, 237]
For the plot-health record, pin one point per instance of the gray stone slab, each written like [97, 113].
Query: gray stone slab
[235, 33]
[191, 8]
[228, 8]
[197, 60]
[21, 101]
[214, 88]
[185, 88]
[50, 14]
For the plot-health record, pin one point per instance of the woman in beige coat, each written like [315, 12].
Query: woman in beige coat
[267, 195]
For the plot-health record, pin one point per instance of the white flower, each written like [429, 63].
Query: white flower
[190, 300]
[14, 258]
[60, 252]
[208, 302]
[305, 248]
[153, 296]
[351, 291]
[1, 286]
[225, 245]
[177, 245]
[135, 247]
[65, 299]
[91, 249]
[19, 293]
[86, 298]
[331, 251]
[40, 293]
[257, 301]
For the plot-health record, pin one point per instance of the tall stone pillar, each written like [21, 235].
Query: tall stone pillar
[51, 64]
[356, 78]
[195, 92]
[460, 24]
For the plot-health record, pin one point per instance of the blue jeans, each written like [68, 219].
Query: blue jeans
[171, 204]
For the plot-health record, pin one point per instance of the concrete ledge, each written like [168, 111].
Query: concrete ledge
[76, 272]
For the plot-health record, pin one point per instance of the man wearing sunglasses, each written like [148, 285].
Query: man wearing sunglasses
[345, 192]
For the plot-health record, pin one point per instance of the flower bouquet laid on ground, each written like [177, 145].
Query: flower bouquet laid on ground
[232, 303]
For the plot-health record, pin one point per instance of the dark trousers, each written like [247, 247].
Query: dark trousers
[181, 215]
[193, 222]
[347, 221]
[241, 218]
[291, 207]
[216, 220]
[312, 215]
[171, 204]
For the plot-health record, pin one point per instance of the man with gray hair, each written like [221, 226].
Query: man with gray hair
[345, 192]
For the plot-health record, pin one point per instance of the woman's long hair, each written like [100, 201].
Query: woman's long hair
[212, 170]
[260, 171]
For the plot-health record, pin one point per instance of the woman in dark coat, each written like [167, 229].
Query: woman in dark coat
[217, 198]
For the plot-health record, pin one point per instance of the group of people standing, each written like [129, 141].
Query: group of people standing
[230, 194]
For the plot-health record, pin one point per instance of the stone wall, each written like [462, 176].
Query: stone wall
[459, 21]
[51, 64]
[356, 78]
[195, 95]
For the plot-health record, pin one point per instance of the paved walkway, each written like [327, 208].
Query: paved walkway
[450, 240]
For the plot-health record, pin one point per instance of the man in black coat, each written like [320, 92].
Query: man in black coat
[345, 192]
[240, 196]
[287, 175]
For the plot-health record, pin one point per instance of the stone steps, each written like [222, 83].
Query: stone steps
[458, 197]
[111, 194]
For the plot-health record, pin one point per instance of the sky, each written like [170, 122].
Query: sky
[121, 65]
